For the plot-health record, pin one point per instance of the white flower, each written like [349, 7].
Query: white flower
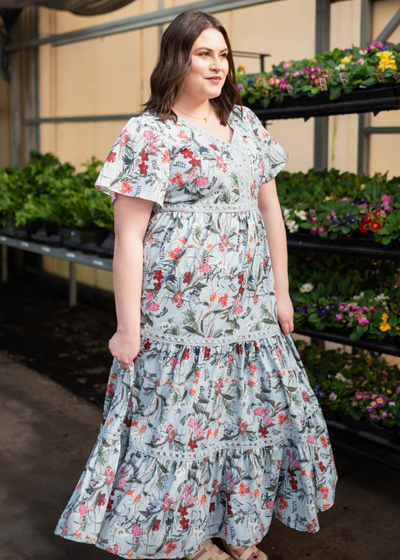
[290, 223]
[392, 403]
[380, 298]
[249, 325]
[307, 287]
[363, 51]
[340, 67]
[341, 377]
[163, 326]
[294, 228]
[359, 296]
[302, 215]
[286, 212]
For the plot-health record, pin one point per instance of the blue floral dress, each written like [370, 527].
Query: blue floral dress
[214, 428]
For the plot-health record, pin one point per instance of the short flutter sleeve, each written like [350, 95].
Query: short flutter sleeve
[138, 162]
[273, 156]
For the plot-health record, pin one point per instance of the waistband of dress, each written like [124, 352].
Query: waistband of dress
[268, 330]
[198, 207]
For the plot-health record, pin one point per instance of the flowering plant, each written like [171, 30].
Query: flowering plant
[338, 71]
[363, 387]
[346, 293]
[331, 204]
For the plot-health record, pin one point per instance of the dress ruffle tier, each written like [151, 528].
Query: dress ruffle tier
[174, 465]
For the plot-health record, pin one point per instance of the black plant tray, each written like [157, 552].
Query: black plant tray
[18, 232]
[354, 245]
[48, 234]
[390, 345]
[390, 434]
[380, 97]
[106, 249]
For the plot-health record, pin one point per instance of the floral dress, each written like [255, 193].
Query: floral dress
[214, 428]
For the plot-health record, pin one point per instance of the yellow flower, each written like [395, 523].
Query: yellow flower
[385, 316]
[346, 59]
[328, 198]
[385, 327]
[397, 328]
[384, 54]
[389, 391]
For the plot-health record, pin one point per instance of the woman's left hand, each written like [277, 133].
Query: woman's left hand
[285, 312]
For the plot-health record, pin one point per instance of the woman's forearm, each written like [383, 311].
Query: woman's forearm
[277, 243]
[127, 282]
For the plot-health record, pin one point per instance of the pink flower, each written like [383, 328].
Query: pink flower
[148, 135]
[121, 482]
[363, 321]
[123, 138]
[239, 309]
[286, 65]
[270, 505]
[153, 307]
[295, 464]
[189, 498]
[310, 439]
[202, 181]
[192, 423]
[267, 419]
[193, 175]
[153, 147]
[199, 432]
[259, 411]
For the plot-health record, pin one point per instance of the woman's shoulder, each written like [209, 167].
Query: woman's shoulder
[244, 115]
[146, 121]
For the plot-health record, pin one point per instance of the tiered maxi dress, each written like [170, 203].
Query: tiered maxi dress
[214, 428]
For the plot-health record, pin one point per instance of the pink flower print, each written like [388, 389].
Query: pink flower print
[193, 175]
[121, 482]
[149, 296]
[186, 488]
[224, 242]
[199, 432]
[171, 436]
[306, 396]
[253, 189]
[148, 135]
[231, 486]
[123, 138]
[167, 502]
[82, 511]
[278, 352]
[189, 498]
[111, 157]
[289, 453]
[153, 306]
[137, 531]
[218, 386]
[192, 423]
[202, 181]
[114, 548]
[259, 411]
[110, 477]
[235, 302]
[217, 488]
[239, 309]
[270, 505]
[267, 419]
[206, 268]
[262, 164]
[243, 427]
[230, 360]
[153, 147]
[295, 464]
[174, 362]
[249, 117]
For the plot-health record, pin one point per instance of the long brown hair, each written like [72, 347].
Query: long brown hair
[174, 62]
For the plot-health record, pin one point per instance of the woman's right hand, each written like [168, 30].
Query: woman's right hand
[124, 347]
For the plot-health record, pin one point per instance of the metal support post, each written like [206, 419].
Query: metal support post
[364, 119]
[4, 265]
[321, 124]
[72, 285]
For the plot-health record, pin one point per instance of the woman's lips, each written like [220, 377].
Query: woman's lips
[214, 80]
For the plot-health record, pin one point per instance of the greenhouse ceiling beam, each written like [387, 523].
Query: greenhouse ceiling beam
[157, 17]
[390, 28]
[364, 119]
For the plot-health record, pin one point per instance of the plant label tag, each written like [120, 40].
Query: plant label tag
[381, 78]
[324, 85]
[344, 79]
[289, 89]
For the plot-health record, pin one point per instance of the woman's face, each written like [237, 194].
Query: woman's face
[209, 60]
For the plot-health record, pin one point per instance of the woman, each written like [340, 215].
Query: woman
[210, 425]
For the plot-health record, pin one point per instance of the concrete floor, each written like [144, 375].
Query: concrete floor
[47, 435]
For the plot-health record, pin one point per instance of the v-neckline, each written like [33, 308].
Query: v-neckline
[230, 123]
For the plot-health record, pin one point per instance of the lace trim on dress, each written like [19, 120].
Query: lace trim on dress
[199, 207]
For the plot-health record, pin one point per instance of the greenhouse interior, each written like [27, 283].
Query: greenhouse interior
[323, 77]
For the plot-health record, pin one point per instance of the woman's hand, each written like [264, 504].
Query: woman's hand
[124, 347]
[285, 312]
